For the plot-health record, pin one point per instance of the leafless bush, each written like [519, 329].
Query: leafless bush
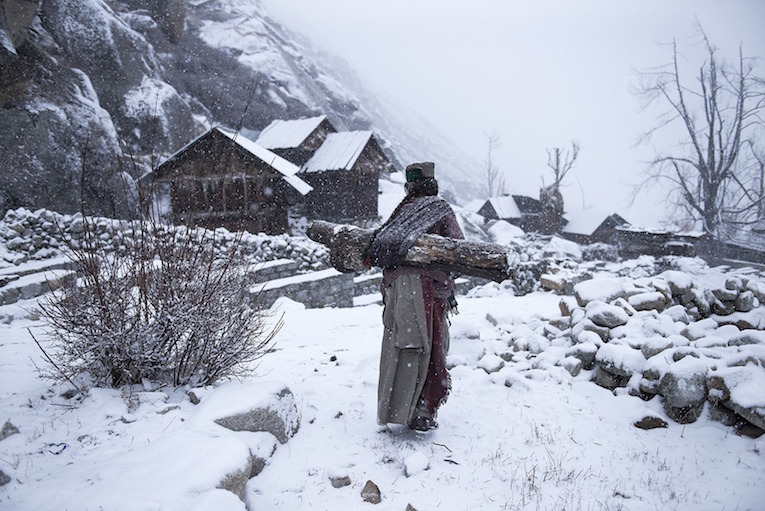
[171, 308]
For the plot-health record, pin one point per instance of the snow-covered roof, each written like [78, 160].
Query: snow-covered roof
[338, 152]
[585, 222]
[505, 207]
[475, 205]
[285, 168]
[283, 134]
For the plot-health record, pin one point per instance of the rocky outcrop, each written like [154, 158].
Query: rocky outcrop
[16, 19]
[149, 114]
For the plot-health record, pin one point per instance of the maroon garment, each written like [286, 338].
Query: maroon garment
[437, 383]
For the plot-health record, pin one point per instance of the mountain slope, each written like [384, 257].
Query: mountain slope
[100, 91]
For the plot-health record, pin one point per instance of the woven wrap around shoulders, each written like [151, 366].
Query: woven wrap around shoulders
[394, 239]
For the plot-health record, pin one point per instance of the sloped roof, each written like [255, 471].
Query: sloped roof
[285, 134]
[528, 205]
[475, 205]
[505, 207]
[338, 152]
[279, 164]
[276, 162]
[587, 222]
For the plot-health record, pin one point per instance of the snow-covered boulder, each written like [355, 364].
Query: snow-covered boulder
[491, 363]
[679, 282]
[655, 345]
[584, 330]
[747, 337]
[683, 387]
[620, 359]
[571, 364]
[253, 407]
[745, 301]
[606, 315]
[584, 352]
[651, 300]
[741, 390]
[603, 289]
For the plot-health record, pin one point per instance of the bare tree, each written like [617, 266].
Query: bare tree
[560, 161]
[707, 176]
[495, 181]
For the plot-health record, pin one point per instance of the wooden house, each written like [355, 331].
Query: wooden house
[296, 140]
[587, 227]
[344, 174]
[634, 242]
[222, 179]
[519, 210]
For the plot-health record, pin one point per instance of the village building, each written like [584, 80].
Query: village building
[296, 140]
[635, 241]
[587, 227]
[344, 173]
[342, 167]
[519, 210]
[300, 167]
[223, 179]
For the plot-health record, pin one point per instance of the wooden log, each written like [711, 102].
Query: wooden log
[348, 244]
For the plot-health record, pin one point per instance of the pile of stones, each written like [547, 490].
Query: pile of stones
[688, 341]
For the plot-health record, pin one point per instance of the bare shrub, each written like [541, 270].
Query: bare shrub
[172, 307]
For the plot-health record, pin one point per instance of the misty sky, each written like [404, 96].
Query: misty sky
[538, 74]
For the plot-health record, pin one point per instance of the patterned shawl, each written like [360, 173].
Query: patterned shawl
[410, 221]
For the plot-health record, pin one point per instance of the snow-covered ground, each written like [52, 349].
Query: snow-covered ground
[547, 441]
[519, 432]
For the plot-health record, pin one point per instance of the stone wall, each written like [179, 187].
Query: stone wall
[325, 288]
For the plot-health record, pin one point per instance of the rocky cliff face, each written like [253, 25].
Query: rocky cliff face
[93, 93]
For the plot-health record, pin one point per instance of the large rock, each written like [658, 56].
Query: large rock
[620, 359]
[605, 315]
[601, 289]
[254, 407]
[585, 352]
[683, 386]
[741, 390]
[59, 143]
[653, 300]
[8, 430]
[680, 283]
[748, 337]
[684, 383]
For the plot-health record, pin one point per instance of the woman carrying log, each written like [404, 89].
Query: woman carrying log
[413, 380]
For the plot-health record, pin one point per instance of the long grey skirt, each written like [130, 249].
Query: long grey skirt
[406, 350]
